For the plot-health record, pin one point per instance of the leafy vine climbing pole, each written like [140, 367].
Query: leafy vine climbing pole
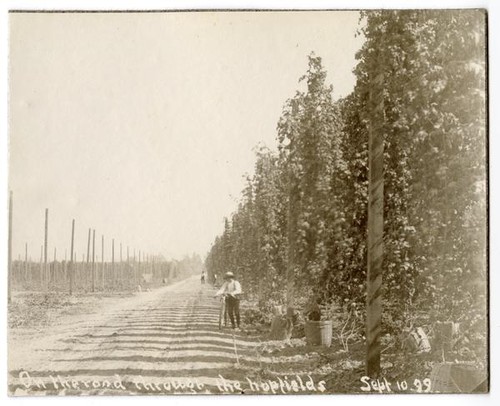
[375, 226]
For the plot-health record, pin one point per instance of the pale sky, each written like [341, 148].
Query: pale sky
[142, 125]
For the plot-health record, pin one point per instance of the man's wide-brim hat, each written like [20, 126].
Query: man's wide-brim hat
[229, 275]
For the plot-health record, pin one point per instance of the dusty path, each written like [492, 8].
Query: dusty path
[163, 341]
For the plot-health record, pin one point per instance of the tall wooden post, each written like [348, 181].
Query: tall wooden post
[134, 271]
[87, 266]
[375, 226]
[126, 274]
[102, 261]
[70, 268]
[46, 234]
[93, 261]
[9, 252]
[112, 263]
[138, 282]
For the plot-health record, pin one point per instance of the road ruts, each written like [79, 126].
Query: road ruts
[160, 342]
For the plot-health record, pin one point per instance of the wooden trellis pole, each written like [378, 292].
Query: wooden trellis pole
[93, 261]
[125, 275]
[70, 267]
[102, 261]
[139, 270]
[46, 234]
[112, 263]
[375, 226]
[9, 253]
[134, 271]
[86, 267]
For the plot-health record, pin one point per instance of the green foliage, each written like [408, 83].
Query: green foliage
[434, 99]
[309, 134]
[301, 225]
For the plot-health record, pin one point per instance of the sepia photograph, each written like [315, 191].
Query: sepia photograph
[247, 202]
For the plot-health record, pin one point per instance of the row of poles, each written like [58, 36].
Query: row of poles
[69, 267]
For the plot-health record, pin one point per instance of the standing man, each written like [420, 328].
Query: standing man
[231, 289]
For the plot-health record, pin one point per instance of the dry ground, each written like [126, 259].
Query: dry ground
[163, 341]
[167, 341]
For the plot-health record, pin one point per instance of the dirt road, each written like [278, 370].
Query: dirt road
[163, 341]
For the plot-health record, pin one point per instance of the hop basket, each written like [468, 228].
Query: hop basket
[319, 332]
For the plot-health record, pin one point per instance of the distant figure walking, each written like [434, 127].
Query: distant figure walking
[231, 290]
[203, 277]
